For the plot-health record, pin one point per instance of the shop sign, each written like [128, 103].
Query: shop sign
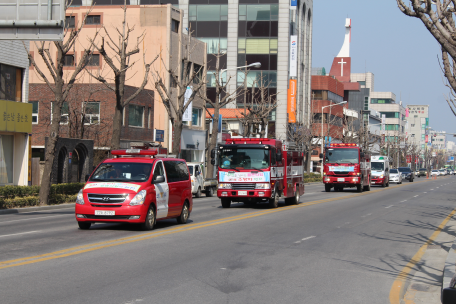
[293, 55]
[159, 135]
[15, 116]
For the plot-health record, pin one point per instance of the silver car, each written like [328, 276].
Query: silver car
[395, 176]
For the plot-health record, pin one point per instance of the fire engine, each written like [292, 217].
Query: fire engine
[345, 166]
[252, 170]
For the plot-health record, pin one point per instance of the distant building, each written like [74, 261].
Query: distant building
[418, 125]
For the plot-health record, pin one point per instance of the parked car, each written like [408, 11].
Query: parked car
[407, 173]
[422, 172]
[435, 172]
[442, 172]
[135, 188]
[395, 176]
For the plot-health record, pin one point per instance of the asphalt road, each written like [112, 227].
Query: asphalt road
[337, 247]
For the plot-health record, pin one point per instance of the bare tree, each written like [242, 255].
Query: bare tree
[119, 52]
[438, 18]
[60, 85]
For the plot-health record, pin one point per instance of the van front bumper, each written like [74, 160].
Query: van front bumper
[125, 213]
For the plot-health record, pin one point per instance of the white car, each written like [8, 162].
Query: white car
[435, 172]
[395, 176]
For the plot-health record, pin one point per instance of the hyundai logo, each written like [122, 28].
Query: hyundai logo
[105, 199]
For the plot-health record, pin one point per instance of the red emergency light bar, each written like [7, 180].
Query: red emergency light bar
[134, 152]
[343, 145]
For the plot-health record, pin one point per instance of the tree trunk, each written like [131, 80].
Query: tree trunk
[116, 128]
[213, 140]
[178, 126]
[50, 146]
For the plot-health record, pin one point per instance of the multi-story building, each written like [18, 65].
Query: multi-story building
[418, 124]
[451, 146]
[162, 26]
[15, 114]
[438, 140]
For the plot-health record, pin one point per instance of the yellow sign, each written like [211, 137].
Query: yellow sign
[15, 116]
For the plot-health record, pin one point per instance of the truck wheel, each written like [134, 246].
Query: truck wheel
[274, 201]
[84, 225]
[182, 219]
[226, 203]
[327, 188]
[149, 223]
[210, 192]
[198, 193]
[411, 180]
[360, 187]
[295, 200]
[368, 187]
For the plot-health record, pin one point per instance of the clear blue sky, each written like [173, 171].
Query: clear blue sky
[397, 49]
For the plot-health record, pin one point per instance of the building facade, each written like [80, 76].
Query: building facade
[162, 26]
[16, 115]
[418, 125]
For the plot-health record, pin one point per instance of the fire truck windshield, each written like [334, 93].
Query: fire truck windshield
[242, 158]
[342, 155]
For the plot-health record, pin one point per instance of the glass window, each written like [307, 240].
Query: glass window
[158, 170]
[213, 44]
[176, 171]
[129, 172]
[174, 26]
[68, 60]
[70, 21]
[241, 158]
[196, 117]
[341, 155]
[63, 113]
[93, 19]
[390, 114]
[135, 116]
[93, 60]
[256, 78]
[6, 159]
[209, 12]
[257, 45]
[92, 113]
[258, 12]
[423, 126]
[211, 81]
[377, 100]
[34, 111]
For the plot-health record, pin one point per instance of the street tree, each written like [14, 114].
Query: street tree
[438, 16]
[60, 83]
[186, 79]
[118, 57]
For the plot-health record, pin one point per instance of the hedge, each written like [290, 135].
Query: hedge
[25, 196]
[312, 177]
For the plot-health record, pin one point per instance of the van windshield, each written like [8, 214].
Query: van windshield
[122, 172]
[377, 166]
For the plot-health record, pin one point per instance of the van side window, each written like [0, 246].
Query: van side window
[183, 171]
[171, 171]
[158, 170]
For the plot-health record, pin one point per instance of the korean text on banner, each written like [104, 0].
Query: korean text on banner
[293, 55]
[15, 116]
[291, 109]
[188, 112]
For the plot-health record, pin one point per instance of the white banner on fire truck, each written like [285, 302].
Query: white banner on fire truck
[244, 177]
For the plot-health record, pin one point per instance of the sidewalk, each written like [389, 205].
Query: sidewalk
[36, 209]
[436, 266]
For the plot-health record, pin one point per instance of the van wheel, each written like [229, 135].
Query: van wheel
[198, 193]
[149, 222]
[274, 201]
[210, 192]
[226, 203]
[182, 219]
[84, 225]
[327, 188]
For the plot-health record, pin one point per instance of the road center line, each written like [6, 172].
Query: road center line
[416, 195]
[389, 206]
[19, 233]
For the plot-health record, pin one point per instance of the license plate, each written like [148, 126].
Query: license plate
[104, 212]
[341, 179]
[242, 192]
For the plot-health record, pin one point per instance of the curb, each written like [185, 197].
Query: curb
[450, 268]
[32, 209]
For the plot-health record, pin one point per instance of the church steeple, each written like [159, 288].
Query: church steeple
[345, 50]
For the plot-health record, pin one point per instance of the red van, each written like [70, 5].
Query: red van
[136, 187]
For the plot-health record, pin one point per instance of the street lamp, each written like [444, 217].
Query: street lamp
[322, 118]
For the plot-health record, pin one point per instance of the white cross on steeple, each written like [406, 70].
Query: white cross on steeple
[342, 66]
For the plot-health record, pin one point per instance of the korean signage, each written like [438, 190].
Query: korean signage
[291, 109]
[293, 55]
[244, 177]
[426, 138]
[15, 116]
[159, 135]
[293, 4]
[188, 112]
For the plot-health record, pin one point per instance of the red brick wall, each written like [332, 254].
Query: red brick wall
[327, 83]
[100, 133]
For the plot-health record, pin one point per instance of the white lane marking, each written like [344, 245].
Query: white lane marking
[304, 239]
[389, 206]
[403, 201]
[223, 268]
[36, 218]
[432, 189]
[416, 195]
[424, 192]
[437, 187]
[19, 233]
[367, 215]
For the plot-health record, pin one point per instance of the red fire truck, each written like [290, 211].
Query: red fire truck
[252, 170]
[345, 166]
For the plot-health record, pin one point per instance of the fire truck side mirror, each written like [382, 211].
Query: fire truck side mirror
[212, 154]
[321, 155]
[213, 162]
[361, 154]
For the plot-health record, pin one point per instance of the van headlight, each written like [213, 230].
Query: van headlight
[139, 198]
[380, 176]
[262, 186]
[80, 198]
[224, 186]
